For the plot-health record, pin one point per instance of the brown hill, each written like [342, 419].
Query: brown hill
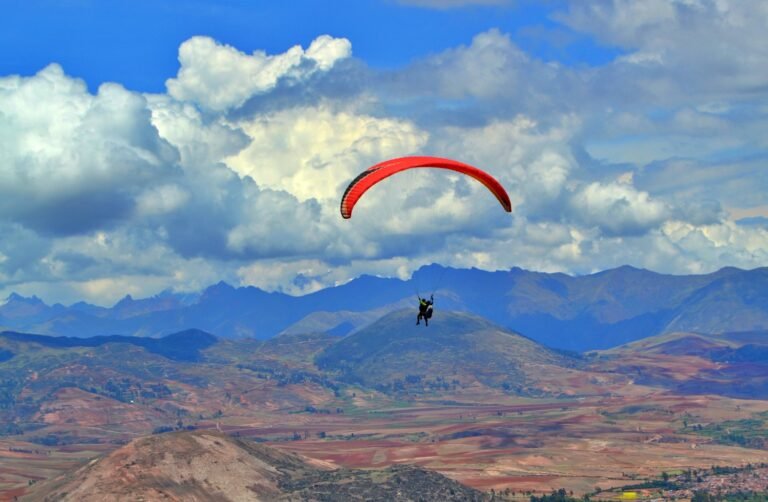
[394, 353]
[673, 344]
[207, 465]
[730, 364]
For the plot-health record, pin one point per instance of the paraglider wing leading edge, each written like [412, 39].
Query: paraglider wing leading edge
[378, 172]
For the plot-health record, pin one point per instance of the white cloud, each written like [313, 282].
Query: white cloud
[160, 200]
[696, 48]
[533, 162]
[700, 246]
[740, 183]
[114, 192]
[20, 252]
[200, 141]
[325, 51]
[219, 77]
[279, 226]
[490, 66]
[279, 275]
[618, 209]
[73, 161]
[314, 152]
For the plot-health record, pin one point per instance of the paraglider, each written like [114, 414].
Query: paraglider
[374, 174]
[425, 309]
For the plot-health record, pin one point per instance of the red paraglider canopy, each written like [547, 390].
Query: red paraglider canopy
[382, 170]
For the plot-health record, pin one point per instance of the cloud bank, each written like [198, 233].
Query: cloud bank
[235, 173]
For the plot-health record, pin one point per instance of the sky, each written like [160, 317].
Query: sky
[165, 145]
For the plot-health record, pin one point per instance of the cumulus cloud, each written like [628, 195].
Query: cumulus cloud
[735, 184]
[199, 140]
[532, 161]
[88, 179]
[74, 162]
[313, 152]
[727, 242]
[235, 173]
[279, 227]
[160, 200]
[490, 66]
[618, 209]
[681, 48]
[280, 275]
[491, 76]
[20, 253]
[219, 77]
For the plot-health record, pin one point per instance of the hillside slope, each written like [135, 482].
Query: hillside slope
[206, 465]
[456, 346]
[728, 364]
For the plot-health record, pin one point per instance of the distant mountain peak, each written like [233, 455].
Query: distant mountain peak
[729, 269]
[221, 286]
[218, 289]
[624, 270]
[126, 300]
[432, 266]
[17, 298]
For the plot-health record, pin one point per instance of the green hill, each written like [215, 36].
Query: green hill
[394, 353]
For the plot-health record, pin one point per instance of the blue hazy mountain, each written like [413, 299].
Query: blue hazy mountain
[182, 346]
[587, 312]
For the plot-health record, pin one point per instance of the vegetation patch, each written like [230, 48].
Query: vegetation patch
[748, 432]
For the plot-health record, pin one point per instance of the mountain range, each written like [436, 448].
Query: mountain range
[580, 313]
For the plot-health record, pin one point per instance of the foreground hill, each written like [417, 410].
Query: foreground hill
[205, 465]
[456, 347]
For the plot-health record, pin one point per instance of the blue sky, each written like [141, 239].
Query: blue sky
[154, 145]
[135, 42]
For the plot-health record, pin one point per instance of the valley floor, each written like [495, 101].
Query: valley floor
[481, 438]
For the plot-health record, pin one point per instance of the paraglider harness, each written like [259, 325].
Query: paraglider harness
[425, 309]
